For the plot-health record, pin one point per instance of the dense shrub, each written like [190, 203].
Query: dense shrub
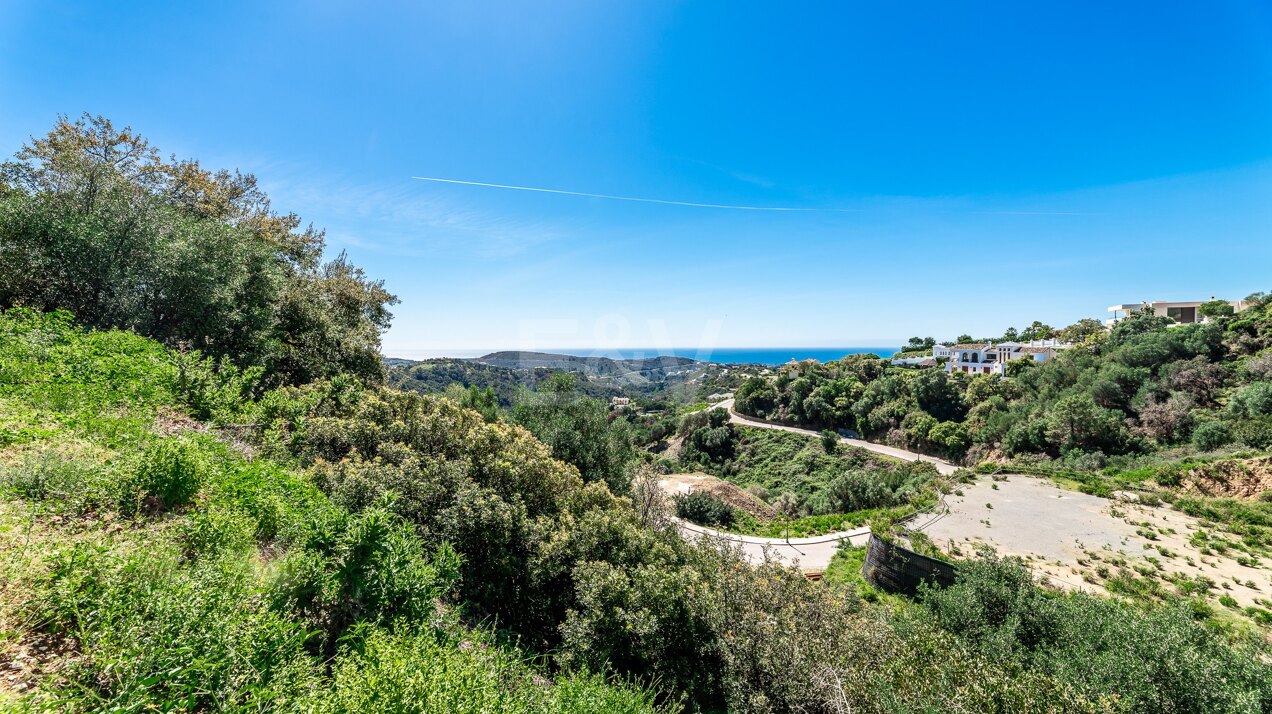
[578, 429]
[165, 476]
[1141, 661]
[710, 441]
[1212, 435]
[704, 509]
[1256, 433]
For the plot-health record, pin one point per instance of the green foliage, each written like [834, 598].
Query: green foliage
[804, 480]
[437, 376]
[1252, 401]
[94, 221]
[710, 441]
[1215, 308]
[1141, 387]
[829, 440]
[578, 429]
[420, 673]
[1211, 435]
[483, 401]
[165, 476]
[704, 509]
[807, 526]
[1143, 661]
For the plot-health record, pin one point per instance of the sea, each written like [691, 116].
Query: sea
[738, 355]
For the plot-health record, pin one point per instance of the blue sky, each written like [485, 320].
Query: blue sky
[989, 163]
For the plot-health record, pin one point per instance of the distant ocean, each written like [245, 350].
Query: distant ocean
[740, 355]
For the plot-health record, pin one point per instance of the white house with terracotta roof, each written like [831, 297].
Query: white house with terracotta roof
[1182, 313]
[992, 357]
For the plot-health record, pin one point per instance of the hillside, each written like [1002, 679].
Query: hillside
[210, 500]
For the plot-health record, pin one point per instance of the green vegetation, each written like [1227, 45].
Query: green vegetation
[1100, 647]
[437, 376]
[797, 475]
[270, 528]
[1145, 386]
[846, 569]
[786, 527]
[704, 509]
[94, 220]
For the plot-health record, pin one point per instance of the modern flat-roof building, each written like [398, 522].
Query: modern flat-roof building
[1182, 313]
[992, 357]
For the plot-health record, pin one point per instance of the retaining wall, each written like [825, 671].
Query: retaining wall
[895, 569]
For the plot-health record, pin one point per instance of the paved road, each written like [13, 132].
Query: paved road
[942, 467]
[810, 554]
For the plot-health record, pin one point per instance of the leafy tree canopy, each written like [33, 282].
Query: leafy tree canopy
[95, 221]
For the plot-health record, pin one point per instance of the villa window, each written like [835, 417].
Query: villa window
[1182, 315]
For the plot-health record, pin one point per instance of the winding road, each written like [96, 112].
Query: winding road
[944, 468]
[808, 554]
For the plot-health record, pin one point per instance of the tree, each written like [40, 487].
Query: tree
[756, 396]
[1211, 435]
[1215, 309]
[93, 221]
[1037, 331]
[709, 438]
[951, 437]
[1076, 421]
[829, 441]
[917, 426]
[482, 401]
[578, 430]
[1081, 330]
[938, 394]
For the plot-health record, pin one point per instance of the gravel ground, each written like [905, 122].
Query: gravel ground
[1070, 536]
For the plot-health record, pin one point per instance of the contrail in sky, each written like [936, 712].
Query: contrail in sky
[633, 198]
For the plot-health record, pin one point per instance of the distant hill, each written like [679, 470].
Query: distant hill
[650, 367]
[601, 377]
[433, 376]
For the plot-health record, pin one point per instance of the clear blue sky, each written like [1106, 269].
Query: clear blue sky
[1003, 162]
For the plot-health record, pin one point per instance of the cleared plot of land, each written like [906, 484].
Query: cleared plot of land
[1092, 543]
[729, 493]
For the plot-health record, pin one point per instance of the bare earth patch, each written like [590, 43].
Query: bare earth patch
[1080, 541]
[729, 493]
[1232, 478]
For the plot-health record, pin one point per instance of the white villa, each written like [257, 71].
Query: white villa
[1182, 313]
[992, 358]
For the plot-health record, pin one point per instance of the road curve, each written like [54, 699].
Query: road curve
[944, 468]
[805, 553]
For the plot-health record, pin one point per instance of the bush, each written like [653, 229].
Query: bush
[424, 673]
[56, 478]
[1253, 401]
[704, 509]
[1256, 433]
[1150, 661]
[167, 475]
[829, 441]
[1211, 435]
